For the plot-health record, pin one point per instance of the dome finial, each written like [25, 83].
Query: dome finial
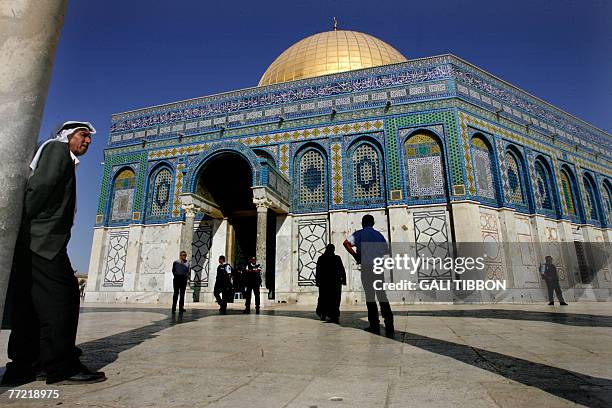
[335, 24]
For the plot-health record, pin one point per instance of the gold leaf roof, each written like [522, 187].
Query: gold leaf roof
[330, 52]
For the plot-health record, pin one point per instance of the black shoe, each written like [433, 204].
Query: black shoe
[246, 311]
[182, 310]
[336, 321]
[389, 327]
[41, 375]
[82, 377]
[173, 311]
[323, 318]
[373, 329]
[15, 376]
[551, 303]
[256, 310]
[563, 304]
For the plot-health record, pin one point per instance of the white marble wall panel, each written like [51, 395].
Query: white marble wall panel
[353, 224]
[217, 248]
[311, 235]
[556, 246]
[155, 262]
[115, 265]
[489, 227]
[526, 265]
[97, 261]
[284, 254]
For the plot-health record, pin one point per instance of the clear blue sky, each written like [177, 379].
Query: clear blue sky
[115, 56]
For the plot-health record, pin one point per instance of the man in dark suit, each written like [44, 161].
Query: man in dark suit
[44, 288]
[549, 273]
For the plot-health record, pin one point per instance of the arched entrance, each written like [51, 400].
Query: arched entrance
[225, 181]
[240, 197]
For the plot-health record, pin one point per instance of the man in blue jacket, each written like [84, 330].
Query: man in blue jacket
[370, 244]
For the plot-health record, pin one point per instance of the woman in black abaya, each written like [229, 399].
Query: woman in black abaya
[330, 276]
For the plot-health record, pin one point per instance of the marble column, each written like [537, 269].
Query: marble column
[29, 31]
[260, 245]
[187, 230]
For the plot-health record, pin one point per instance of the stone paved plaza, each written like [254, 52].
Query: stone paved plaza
[441, 356]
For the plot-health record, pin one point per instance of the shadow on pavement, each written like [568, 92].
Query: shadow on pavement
[570, 319]
[569, 385]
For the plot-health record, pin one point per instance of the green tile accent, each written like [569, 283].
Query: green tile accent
[109, 162]
[445, 117]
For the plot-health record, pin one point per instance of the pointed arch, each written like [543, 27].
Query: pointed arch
[606, 195]
[160, 192]
[425, 168]
[543, 185]
[310, 174]
[568, 193]
[482, 163]
[591, 203]
[124, 187]
[516, 177]
[366, 172]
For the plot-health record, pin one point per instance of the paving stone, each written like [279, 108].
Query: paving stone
[440, 356]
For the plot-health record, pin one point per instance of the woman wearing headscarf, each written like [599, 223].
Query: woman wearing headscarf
[330, 276]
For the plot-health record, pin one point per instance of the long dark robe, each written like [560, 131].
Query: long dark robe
[330, 276]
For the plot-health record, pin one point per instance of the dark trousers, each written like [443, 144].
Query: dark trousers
[253, 282]
[45, 315]
[553, 286]
[179, 284]
[367, 281]
[222, 294]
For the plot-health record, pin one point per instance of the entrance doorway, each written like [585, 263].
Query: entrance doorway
[226, 181]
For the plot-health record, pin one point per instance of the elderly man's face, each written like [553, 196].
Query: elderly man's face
[79, 142]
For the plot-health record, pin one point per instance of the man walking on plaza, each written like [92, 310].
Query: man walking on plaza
[371, 244]
[180, 272]
[223, 284]
[44, 288]
[548, 271]
[253, 282]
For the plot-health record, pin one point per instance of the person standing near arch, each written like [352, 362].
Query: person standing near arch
[223, 291]
[548, 271]
[181, 270]
[253, 283]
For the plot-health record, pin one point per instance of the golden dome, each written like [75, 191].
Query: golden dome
[328, 53]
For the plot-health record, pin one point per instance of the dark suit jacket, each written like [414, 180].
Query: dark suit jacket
[550, 273]
[50, 202]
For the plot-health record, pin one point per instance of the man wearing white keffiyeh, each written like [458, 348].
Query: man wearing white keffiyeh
[45, 292]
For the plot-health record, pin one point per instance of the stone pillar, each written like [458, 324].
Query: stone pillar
[29, 30]
[230, 237]
[187, 229]
[284, 257]
[466, 220]
[260, 245]
[95, 275]
[509, 242]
